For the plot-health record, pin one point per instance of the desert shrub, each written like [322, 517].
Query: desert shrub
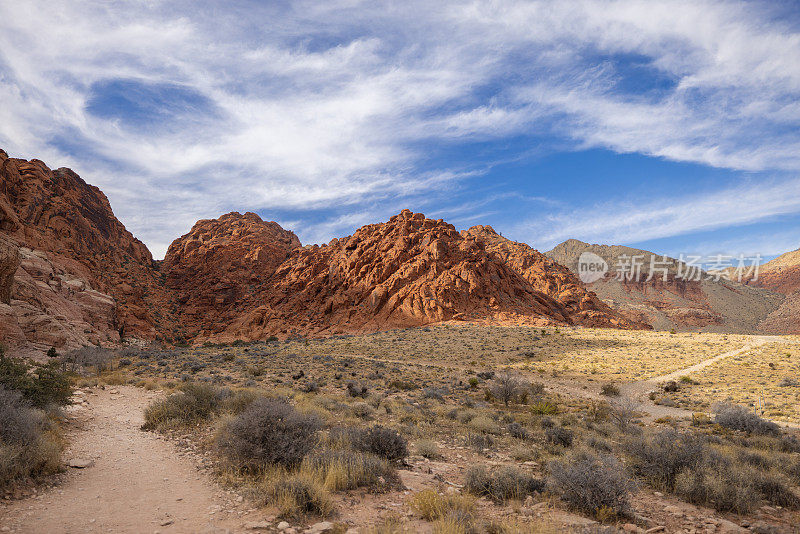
[595, 484]
[479, 442]
[433, 393]
[660, 458]
[670, 386]
[610, 390]
[239, 400]
[362, 410]
[623, 411]
[544, 407]
[41, 385]
[558, 435]
[728, 490]
[98, 359]
[269, 431]
[357, 390]
[537, 389]
[428, 449]
[298, 495]
[793, 471]
[737, 417]
[484, 424]
[345, 469]
[508, 388]
[518, 431]
[383, 442]
[194, 403]
[28, 447]
[503, 484]
[755, 459]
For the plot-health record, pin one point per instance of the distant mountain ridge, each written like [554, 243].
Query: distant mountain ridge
[783, 276]
[677, 303]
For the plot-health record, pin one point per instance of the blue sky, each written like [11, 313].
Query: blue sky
[670, 126]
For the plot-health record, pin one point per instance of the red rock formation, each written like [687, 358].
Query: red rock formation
[222, 261]
[71, 274]
[409, 271]
[782, 275]
[544, 274]
[82, 267]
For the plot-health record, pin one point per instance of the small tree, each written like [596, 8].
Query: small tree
[51, 353]
[508, 387]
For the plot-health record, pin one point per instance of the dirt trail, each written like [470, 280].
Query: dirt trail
[139, 481]
[639, 388]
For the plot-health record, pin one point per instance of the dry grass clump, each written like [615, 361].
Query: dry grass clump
[596, 484]
[29, 446]
[268, 432]
[455, 512]
[484, 425]
[344, 469]
[428, 449]
[298, 495]
[501, 485]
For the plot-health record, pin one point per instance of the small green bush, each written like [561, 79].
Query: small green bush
[41, 385]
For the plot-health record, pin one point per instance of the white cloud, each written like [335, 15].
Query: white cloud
[632, 222]
[340, 103]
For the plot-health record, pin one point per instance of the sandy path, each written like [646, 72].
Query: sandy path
[641, 387]
[139, 483]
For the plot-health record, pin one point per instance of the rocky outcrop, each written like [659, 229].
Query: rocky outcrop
[222, 261]
[669, 299]
[782, 275]
[544, 274]
[83, 277]
[409, 271]
[71, 275]
[9, 261]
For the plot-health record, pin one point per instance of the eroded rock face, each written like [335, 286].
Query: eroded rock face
[409, 271]
[782, 275]
[83, 276]
[582, 307]
[222, 261]
[9, 261]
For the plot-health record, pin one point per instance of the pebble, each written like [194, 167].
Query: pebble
[258, 525]
[319, 528]
[80, 463]
[283, 525]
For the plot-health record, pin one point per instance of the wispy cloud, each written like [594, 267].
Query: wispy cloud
[632, 222]
[304, 105]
